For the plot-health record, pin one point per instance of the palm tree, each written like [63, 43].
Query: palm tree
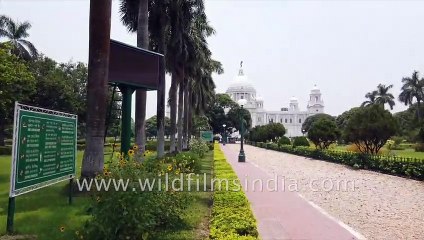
[135, 15]
[383, 95]
[413, 87]
[157, 23]
[371, 96]
[180, 13]
[98, 64]
[16, 32]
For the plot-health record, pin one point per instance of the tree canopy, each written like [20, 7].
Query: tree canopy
[17, 84]
[268, 132]
[311, 119]
[369, 128]
[15, 33]
[323, 133]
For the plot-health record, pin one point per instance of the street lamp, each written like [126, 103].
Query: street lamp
[241, 156]
[224, 136]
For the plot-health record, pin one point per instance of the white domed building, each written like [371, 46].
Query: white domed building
[291, 117]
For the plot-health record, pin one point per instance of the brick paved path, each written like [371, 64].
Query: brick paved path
[284, 214]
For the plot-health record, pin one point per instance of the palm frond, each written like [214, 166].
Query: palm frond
[32, 50]
[22, 30]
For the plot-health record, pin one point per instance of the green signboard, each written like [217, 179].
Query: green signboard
[206, 136]
[44, 148]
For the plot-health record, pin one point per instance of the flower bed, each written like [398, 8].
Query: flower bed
[232, 217]
[409, 167]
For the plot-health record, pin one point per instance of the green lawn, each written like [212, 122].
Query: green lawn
[44, 212]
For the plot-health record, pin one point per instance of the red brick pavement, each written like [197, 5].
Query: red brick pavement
[284, 214]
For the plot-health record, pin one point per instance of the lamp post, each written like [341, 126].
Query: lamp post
[224, 135]
[241, 156]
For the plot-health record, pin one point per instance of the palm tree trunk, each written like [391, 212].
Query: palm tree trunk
[98, 69]
[190, 113]
[160, 107]
[140, 95]
[186, 114]
[173, 108]
[180, 115]
[160, 111]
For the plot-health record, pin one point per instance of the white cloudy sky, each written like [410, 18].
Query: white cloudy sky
[345, 47]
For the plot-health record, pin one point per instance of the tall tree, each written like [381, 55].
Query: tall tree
[157, 24]
[16, 32]
[135, 15]
[179, 14]
[384, 96]
[17, 84]
[412, 88]
[140, 97]
[98, 69]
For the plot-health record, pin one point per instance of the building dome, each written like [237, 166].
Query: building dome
[240, 83]
[293, 99]
[315, 89]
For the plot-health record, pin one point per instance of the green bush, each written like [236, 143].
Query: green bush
[386, 164]
[152, 145]
[5, 150]
[419, 147]
[284, 141]
[135, 214]
[232, 217]
[198, 146]
[300, 142]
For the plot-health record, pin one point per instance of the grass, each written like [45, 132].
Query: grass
[43, 212]
[197, 216]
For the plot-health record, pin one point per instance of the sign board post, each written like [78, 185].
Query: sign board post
[44, 151]
[206, 136]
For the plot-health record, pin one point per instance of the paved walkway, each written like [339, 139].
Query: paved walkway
[284, 214]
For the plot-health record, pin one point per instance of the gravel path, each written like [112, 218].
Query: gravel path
[379, 206]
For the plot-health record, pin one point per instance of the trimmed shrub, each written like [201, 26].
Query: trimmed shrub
[409, 167]
[284, 141]
[5, 150]
[300, 142]
[232, 217]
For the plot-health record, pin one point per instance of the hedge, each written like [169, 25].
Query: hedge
[232, 217]
[395, 165]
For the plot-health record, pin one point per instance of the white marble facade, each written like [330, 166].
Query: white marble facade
[291, 117]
